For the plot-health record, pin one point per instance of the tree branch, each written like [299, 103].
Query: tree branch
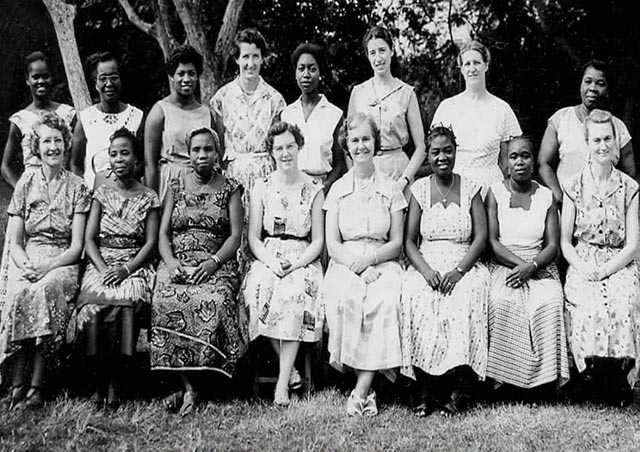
[226, 35]
[164, 21]
[135, 19]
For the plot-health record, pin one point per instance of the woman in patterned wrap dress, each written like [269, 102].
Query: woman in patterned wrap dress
[196, 321]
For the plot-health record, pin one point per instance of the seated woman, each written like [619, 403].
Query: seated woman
[48, 213]
[282, 285]
[196, 322]
[116, 288]
[527, 339]
[444, 293]
[599, 240]
[365, 218]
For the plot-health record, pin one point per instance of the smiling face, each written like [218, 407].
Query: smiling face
[108, 81]
[442, 155]
[473, 67]
[285, 151]
[594, 88]
[50, 146]
[520, 160]
[203, 153]
[601, 142]
[122, 158]
[185, 79]
[361, 143]
[39, 79]
[379, 53]
[249, 60]
[307, 73]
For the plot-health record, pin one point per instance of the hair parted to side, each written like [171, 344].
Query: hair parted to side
[250, 36]
[440, 130]
[354, 121]
[377, 32]
[32, 58]
[125, 133]
[184, 54]
[312, 49]
[50, 119]
[203, 130]
[279, 128]
[478, 47]
[94, 59]
[526, 139]
[598, 116]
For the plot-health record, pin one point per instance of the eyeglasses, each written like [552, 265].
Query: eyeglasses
[103, 79]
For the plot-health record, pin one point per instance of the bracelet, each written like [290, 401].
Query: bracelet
[375, 258]
[127, 269]
[406, 178]
[216, 259]
[458, 269]
[535, 264]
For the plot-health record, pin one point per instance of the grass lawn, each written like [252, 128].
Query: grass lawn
[318, 424]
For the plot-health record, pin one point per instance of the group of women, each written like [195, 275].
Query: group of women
[448, 279]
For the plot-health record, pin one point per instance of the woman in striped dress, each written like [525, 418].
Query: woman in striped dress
[527, 339]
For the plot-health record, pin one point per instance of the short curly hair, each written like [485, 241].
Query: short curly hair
[354, 121]
[32, 58]
[184, 54]
[278, 129]
[250, 36]
[53, 121]
[312, 49]
[95, 59]
[125, 133]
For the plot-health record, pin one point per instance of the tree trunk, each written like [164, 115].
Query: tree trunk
[62, 14]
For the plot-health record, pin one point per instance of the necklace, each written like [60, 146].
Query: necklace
[444, 195]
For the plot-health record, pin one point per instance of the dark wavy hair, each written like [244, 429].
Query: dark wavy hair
[278, 129]
[93, 60]
[354, 121]
[380, 32]
[312, 49]
[250, 36]
[478, 47]
[183, 54]
[32, 58]
[125, 133]
[53, 121]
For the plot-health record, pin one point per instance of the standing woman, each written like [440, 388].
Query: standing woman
[318, 119]
[599, 240]
[46, 226]
[361, 290]
[444, 293]
[527, 339]
[90, 150]
[393, 105]
[286, 235]
[166, 153]
[196, 321]
[481, 122]
[115, 293]
[563, 152]
[18, 146]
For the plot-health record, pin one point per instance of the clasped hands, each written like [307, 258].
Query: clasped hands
[364, 266]
[520, 274]
[442, 283]
[281, 267]
[33, 272]
[202, 273]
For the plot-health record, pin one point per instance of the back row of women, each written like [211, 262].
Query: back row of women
[445, 318]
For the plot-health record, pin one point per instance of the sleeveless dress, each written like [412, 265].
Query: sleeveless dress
[479, 130]
[364, 319]
[527, 338]
[287, 308]
[98, 128]
[603, 317]
[108, 317]
[40, 310]
[441, 332]
[390, 114]
[174, 155]
[198, 327]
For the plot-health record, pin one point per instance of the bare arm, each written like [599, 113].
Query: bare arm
[317, 234]
[220, 129]
[90, 237]
[78, 149]
[501, 252]
[548, 159]
[152, 143]
[12, 149]
[230, 246]
[502, 159]
[416, 129]
[411, 236]
[627, 163]
[630, 248]
[164, 234]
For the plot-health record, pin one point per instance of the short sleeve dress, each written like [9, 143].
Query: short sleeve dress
[364, 319]
[441, 332]
[287, 308]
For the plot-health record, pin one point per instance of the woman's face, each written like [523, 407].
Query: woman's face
[442, 155]
[203, 153]
[307, 73]
[249, 60]
[473, 67]
[520, 160]
[185, 79]
[285, 151]
[601, 142]
[379, 54]
[108, 81]
[39, 79]
[122, 158]
[361, 143]
[50, 146]
[594, 88]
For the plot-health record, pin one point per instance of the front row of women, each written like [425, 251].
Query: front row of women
[446, 320]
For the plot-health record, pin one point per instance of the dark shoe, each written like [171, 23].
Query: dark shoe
[34, 398]
[173, 402]
[424, 409]
[458, 404]
[16, 396]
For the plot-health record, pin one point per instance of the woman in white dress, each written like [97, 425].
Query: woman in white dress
[364, 222]
[481, 122]
[444, 293]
